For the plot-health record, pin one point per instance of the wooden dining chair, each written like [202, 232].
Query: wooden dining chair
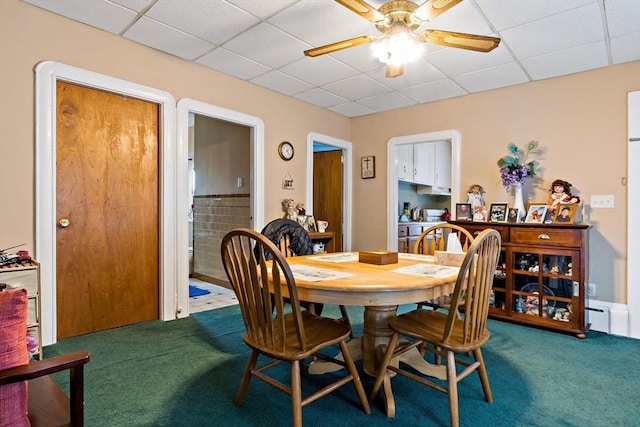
[448, 334]
[434, 239]
[293, 240]
[283, 335]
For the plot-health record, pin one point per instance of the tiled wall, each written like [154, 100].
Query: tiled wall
[214, 216]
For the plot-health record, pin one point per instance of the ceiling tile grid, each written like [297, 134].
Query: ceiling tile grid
[262, 42]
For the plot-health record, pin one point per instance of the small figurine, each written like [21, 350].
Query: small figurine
[554, 270]
[568, 273]
[289, 207]
[560, 193]
[475, 196]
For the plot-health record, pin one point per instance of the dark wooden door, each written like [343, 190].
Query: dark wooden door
[107, 253]
[327, 191]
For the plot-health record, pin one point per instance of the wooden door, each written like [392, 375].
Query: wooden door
[327, 191]
[107, 253]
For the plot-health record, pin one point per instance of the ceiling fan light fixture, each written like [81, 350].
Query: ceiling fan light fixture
[398, 49]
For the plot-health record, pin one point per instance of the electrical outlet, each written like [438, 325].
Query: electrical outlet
[602, 201]
[592, 290]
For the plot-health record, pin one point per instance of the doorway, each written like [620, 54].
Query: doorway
[451, 135]
[185, 108]
[47, 75]
[347, 150]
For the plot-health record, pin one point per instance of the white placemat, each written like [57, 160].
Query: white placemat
[337, 257]
[315, 274]
[428, 270]
[417, 257]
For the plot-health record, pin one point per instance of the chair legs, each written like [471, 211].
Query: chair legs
[453, 377]
[246, 377]
[295, 387]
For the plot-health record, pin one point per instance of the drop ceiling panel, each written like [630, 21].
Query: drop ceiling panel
[319, 71]
[565, 30]
[583, 58]
[492, 78]
[281, 82]
[233, 64]
[267, 45]
[162, 37]
[434, 91]
[357, 87]
[321, 98]
[101, 14]
[215, 21]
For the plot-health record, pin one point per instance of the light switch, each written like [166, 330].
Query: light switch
[602, 201]
[240, 182]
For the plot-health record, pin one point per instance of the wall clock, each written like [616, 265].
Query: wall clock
[285, 150]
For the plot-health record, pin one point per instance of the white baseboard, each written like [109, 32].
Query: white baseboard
[608, 317]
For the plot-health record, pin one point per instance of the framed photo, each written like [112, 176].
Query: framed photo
[463, 212]
[565, 213]
[368, 167]
[536, 213]
[498, 212]
[512, 215]
[311, 224]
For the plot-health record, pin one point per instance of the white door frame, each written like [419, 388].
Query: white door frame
[347, 175]
[186, 106]
[633, 224]
[451, 135]
[47, 74]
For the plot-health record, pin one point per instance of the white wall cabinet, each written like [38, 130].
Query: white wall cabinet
[404, 157]
[425, 163]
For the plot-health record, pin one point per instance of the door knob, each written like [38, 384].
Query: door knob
[63, 223]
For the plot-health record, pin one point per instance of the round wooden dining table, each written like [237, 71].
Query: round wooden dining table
[339, 278]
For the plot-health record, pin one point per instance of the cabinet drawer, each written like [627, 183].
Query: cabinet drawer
[546, 236]
[415, 230]
[479, 228]
[403, 231]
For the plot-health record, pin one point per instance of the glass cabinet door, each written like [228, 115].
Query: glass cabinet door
[497, 300]
[543, 284]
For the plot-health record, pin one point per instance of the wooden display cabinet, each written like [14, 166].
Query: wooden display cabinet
[542, 273]
[27, 276]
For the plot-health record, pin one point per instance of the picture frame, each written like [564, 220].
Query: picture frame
[311, 224]
[368, 167]
[512, 215]
[536, 213]
[565, 213]
[463, 212]
[498, 212]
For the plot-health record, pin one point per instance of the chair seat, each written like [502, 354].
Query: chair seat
[319, 332]
[428, 325]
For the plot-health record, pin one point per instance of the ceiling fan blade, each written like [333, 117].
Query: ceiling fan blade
[460, 40]
[432, 8]
[333, 47]
[394, 70]
[363, 9]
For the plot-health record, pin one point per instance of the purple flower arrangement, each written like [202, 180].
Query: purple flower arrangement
[514, 167]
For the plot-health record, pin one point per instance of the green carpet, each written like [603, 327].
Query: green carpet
[186, 373]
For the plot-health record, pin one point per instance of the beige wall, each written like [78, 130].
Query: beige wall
[581, 124]
[580, 121]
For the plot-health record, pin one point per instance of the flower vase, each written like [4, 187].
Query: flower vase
[518, 202]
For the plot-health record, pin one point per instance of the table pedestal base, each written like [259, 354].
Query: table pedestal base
[376, 333]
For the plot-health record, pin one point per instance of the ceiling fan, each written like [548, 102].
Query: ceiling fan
[397, 20]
